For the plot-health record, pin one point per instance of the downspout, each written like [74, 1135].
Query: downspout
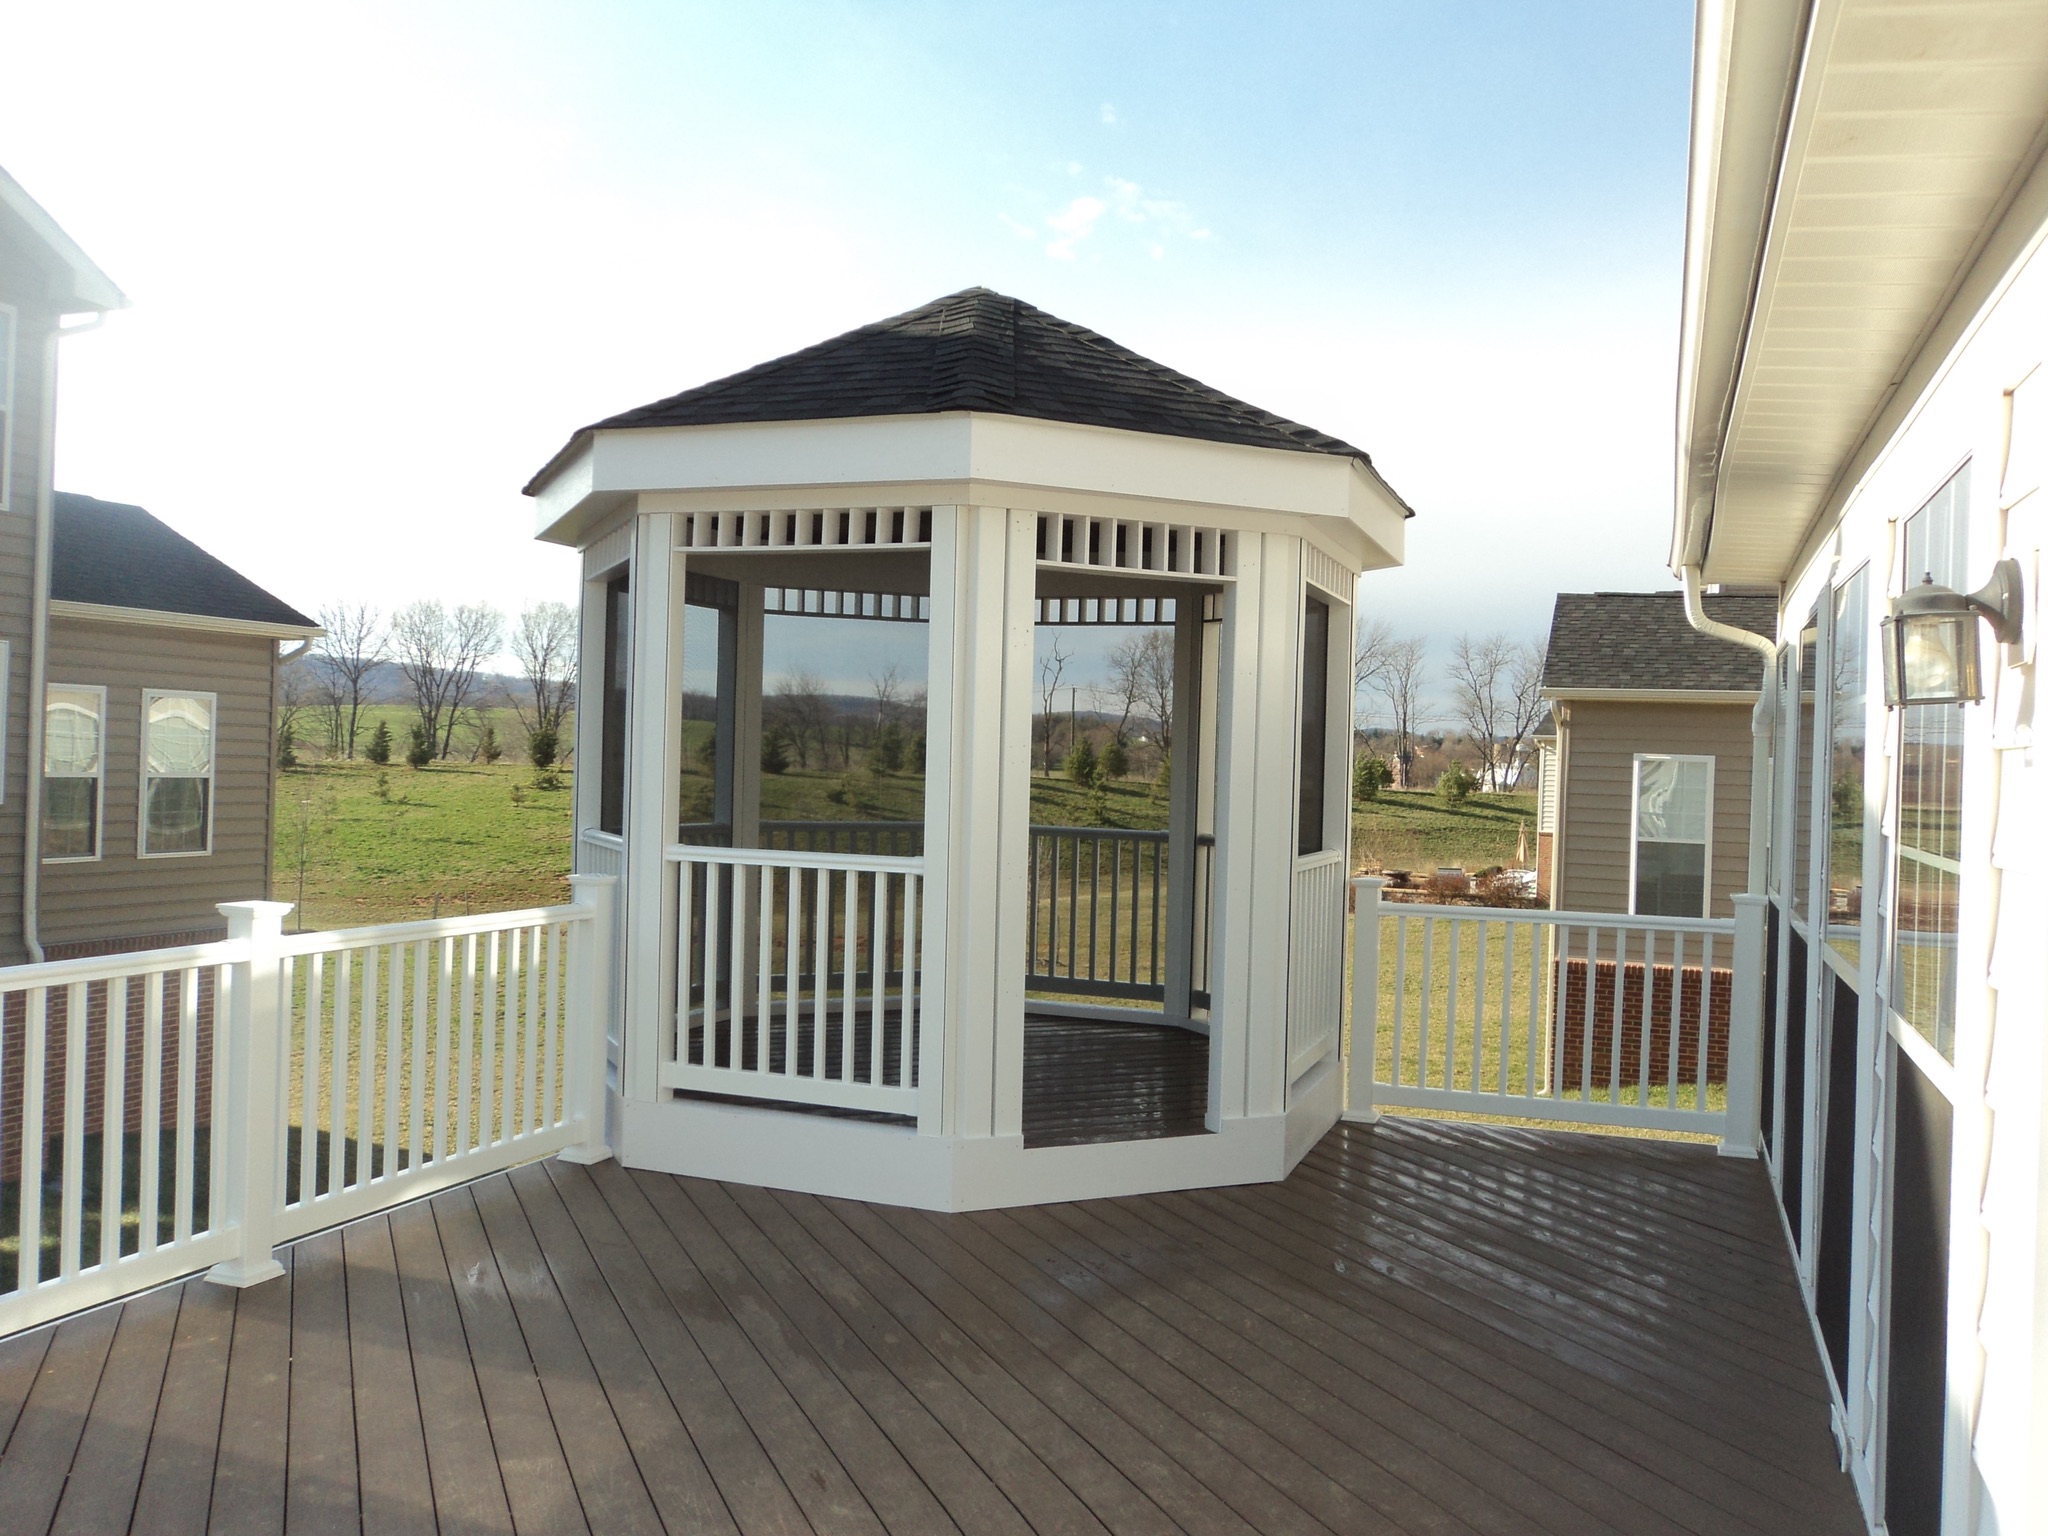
[1759, 721]
[39, 643]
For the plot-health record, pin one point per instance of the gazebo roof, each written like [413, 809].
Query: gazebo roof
[975, 350]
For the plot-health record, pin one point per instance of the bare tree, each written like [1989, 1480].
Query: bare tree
[1479, 670]
[1526, 704]
[294, 694]
[799, 708]
[1051, 668]
[1375, 644]
[545, 644]
[1127, 679]
[1399, 683]
[344, 659]
[441, 655]
[888, 684]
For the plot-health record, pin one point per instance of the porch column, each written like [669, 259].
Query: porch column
[1258, 737]
[748, 625]
[654, 747]
[1181, 911]
[977, 814]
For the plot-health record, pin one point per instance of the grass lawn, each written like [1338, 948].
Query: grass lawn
[379, 845]
[1414, 830]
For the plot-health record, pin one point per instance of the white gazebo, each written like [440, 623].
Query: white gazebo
[887, 1010]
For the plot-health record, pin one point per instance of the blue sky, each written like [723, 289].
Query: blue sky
[384, 258]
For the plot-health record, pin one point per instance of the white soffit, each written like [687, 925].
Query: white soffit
[1912, 127]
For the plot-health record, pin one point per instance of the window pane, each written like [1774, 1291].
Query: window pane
[1671, 799]
[1927, 871]
[1671, 879]
[175, 817]
[1802, 781]
[71, 732]
[181, 736]
[1315, 718]
[1850, 647]
[70, 818]
[618, 631]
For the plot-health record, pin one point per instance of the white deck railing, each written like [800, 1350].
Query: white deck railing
[175, 1109]
[1587, 1017]
[798, 977]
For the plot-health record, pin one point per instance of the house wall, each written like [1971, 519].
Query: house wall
[1982, 401]
[24, 287]
[120, 895]
[1597, 795]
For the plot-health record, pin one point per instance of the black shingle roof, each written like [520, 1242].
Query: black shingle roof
[1641, 640]
[977, 351]
[120, 557]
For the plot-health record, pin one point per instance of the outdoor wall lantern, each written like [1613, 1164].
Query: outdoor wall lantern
[1930, 640]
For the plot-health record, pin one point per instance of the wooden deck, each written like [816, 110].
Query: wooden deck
[1428, 1328]
[1090, 1081]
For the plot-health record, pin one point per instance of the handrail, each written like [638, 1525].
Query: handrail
[1574, 919]
[123, 965]
[792, 858]
[427, 928]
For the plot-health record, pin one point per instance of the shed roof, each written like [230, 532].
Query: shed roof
[1640, 641]
[975, 350]
[117, 556]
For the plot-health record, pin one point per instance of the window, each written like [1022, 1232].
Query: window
[74, 760]
[1927, 871]
[177, 773]
[8, 328]
[1674, 817]
[1849, 651]
[618, 634]
[1315, 721]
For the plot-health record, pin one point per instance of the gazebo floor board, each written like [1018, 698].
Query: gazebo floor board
[1430, 1327]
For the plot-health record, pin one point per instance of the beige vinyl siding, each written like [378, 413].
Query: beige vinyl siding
[120, 895]
[23, 286]
[1598, 795]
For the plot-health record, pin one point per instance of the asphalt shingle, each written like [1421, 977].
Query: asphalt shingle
[977, 350]
[109, 553]
[1641, 640]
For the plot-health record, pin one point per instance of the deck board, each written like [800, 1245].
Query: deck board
[1429, 1328]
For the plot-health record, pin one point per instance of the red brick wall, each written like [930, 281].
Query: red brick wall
[13, 1041]
[1570, 1014]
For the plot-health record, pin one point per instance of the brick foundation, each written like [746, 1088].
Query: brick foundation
[1570, 1014]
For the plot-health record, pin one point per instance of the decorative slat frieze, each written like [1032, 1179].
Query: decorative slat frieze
[1123, 544]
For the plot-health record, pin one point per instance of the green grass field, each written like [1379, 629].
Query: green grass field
[1413, 830]
[361, 844]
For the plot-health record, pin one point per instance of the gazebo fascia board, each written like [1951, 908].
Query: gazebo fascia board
[972, 458]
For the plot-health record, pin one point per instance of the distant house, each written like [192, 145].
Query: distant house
[137, 671]
[1643, 799]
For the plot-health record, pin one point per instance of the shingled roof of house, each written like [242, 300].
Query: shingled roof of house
[1641, 641]
[118, 556]
[975, 350]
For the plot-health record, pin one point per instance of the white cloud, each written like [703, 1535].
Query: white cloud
[1162, 218]
[1108, 115]
[1073, 224]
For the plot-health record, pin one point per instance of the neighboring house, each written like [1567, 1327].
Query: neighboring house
[144, 781]
[1543, 751]
[1863, 405]
[1648, 765]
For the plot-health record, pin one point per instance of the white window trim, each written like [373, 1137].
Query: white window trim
[1635, 790]
[9, 366]
[99, 828]
[142, 775]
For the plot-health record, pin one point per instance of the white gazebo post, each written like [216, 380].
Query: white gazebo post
[1183, 804]
[654, 745]
[977, 815]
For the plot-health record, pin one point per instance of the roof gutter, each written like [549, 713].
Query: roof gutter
[1759, 720]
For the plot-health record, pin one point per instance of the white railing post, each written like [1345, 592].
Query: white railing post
[254, 1037]
[587, 1010]
[1745, 1026]
[1360, 1065]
